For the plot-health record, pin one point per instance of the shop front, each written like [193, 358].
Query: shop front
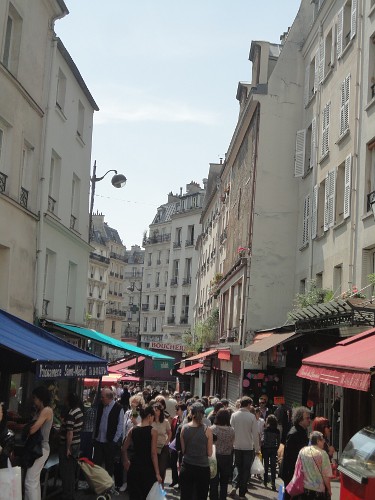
[343, 382]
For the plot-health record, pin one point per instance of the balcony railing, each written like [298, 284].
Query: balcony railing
[177, 244]
[134, 274]
[99, 258]
[161, 307]
[45, 307]
[3, 182]
[24, 197]
[160, 238]
[115, 312]
[189, 243]
[186, 281]
[171, 320]
[370, 200]
[145, 307]
[184, 320]
[73, 222]
[51, 204]
[156, 307]
[174, 281]
[117, 256]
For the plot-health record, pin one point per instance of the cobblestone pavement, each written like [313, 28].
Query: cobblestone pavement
[256, 491]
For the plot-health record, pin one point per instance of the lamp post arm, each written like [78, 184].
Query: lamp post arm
[97, 179]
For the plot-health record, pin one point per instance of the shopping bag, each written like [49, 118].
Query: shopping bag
[10, 483]
[212, 462]
[98, 477]
[295, 487]
[156, 492]
[257, 467]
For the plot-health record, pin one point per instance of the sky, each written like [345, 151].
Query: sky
[164, 74]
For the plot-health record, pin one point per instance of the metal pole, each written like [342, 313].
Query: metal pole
[93, 182]
[139, 317]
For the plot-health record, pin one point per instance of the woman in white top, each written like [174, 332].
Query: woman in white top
[43, 421]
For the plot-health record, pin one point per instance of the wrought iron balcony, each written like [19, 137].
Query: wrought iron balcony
[174, 281]
[3, 182]
[171, 320]
[24, 197]
[177, 244]
[51, 204]
[370, 200]
[99, 258]
[73, 222]
[145, 307]
[184, 320]
[186, 281]
[189, 243]
[162, 307]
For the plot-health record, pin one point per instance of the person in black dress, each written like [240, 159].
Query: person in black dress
[143, 468]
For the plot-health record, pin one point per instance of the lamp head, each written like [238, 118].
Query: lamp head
[130, 288]
[118, 180]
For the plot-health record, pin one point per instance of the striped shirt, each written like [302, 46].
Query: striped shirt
[73, 422]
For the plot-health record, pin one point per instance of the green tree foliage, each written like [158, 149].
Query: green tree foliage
[203, 334]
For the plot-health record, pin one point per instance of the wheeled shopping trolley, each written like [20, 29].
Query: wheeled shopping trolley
[98, 479]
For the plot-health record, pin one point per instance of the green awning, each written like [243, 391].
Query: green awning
[105, 339]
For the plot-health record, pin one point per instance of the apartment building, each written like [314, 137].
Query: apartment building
[132, 286]
[26, 34]
[170, 271]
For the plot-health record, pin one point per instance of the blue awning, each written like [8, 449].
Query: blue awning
[25, 347]
[116, 344]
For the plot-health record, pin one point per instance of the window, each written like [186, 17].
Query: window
[4, 276]
[153, 324]
[27, 176]
[61, 90]
[12, 40]
[305, 152]
[325, 129]
[176, 264]
[190, 235]
[370, 175]
[311, 78]
[302, 286]
[156, 302]
[344, 109]
[173, 305]
[188, 268]
[74, 203]
[185, 306]
[337, 281]
[327, 55]
[318, 210]
[71, 288]
[371, 67]
[329, 201]
[149, 262]
[49, 282]
[113, 327]
[319, 280]
[343, 189]
[3, 176]
[346, 25]
[306, 221]
[54, 183]
[81, 119]
[178, 237]
[145, 324]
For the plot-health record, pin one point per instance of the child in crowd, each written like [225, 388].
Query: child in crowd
[271, 443]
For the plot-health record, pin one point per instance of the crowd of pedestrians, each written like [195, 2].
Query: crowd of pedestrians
[135, 435]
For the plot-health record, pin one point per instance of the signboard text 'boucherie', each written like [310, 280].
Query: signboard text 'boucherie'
[167, 347]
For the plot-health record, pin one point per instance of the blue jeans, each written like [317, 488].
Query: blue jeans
[224, 472]
[243, 460]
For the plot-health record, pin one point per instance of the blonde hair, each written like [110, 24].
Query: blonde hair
[138, 398]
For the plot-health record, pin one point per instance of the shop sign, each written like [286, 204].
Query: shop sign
[161, 364]
[167, 347]
[69, 370]
[226, 366]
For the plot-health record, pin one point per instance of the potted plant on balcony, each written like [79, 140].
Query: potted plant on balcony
[243, 251]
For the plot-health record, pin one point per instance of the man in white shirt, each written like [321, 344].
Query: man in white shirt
[246, 444]
[170, 404]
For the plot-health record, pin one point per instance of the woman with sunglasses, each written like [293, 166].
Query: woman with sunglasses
[143, 467]
[163, 428]
[321, 424]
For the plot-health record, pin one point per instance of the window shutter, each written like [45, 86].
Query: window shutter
[314, 212]
[313, 143]
[344, 110]
[333, 47]
[331, 197]
[316, 74]
[307, 85]
[340, 29]
[353, 27]
[325, 126]
[326, 196]
[299, 162]
[306, 217]
[321, 60]
[367, 268]
[348, 168]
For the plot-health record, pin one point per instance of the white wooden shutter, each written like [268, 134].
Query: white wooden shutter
[325, 128]
[344, 109]
[333, 47]
[307, 85]
[299, 162]
[306, 219]
[367, 268]
[314, 212]
[316, 73]
[353, 27]
[331, 179]
[347, 188]
[321, 60]
[340, 29]
[326, 196]
[313, 143]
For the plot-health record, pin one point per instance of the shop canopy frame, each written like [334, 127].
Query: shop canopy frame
[101, 338]
[334, 314]
[350, 364]
[265, 340]
[26, 347]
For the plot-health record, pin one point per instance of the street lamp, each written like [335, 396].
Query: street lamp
[131, 288]
[118, 181]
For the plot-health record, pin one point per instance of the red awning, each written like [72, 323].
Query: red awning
[130, 378]
[202, 355]
[125, 364]
[349, 364]
[111, 379]
[190, 369]
[224, 354]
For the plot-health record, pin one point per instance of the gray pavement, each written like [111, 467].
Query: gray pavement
[256, 491]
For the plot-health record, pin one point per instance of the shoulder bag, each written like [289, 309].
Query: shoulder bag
[296, 486]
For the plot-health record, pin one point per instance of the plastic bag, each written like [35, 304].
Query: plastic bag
[156, 492]
[212, 462]
[10, 483]
[257, 467]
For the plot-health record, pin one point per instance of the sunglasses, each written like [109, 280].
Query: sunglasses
[157, 407]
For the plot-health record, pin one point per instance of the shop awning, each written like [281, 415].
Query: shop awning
[224, 354]
[190, 369]
[262, 343]
[124, 365]
[202, 355]
[349, 364]
[116, 344]
[25, 347]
